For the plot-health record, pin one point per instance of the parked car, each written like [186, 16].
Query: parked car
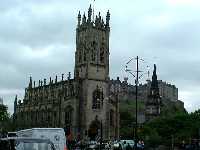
[125, 143]
[55, 135]
[12, 134]
[116, 145]
[25, 143]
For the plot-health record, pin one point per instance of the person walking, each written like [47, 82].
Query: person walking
[139, 145]
[142, 144]
[128, 147]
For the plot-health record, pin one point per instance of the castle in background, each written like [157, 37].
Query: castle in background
[166, 90]
[153, 95]
[84, 104]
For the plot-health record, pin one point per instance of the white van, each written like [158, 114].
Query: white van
[55, 135]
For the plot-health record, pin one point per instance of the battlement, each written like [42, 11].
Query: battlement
[90, 21]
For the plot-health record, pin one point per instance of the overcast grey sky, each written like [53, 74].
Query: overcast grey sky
[37, 38]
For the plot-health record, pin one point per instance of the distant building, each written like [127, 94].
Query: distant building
[166, 91]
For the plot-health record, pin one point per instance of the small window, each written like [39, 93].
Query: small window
[97, 98]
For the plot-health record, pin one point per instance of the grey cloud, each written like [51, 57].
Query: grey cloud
[38, 38]
[36, 30]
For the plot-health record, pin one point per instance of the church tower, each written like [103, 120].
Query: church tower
[92, 73]
[92, 47]
[154, 100]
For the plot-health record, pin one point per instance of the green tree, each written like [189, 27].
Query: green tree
[182, 126]
[4, 116]
[126, 124]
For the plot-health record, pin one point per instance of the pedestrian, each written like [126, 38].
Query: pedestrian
[120, 147]
[128, 147]
[139, 145]
[182, 147]
[142, 144]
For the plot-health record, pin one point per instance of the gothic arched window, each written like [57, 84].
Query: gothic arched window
[93, 50]
[93, 55]
[80, 57]
[97, 98]
[68, 115]
[84, 56]
[111, 117]
[102, 49]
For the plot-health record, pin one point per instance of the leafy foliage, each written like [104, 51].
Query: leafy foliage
[181, 126]
[174, 122]
[4, 116]
[126, 124]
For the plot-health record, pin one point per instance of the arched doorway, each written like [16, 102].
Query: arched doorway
[94, 129]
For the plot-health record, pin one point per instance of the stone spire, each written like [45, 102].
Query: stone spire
[15, 104]
[79, 18]
[56, 79]
[69, 76]
[62, 77]
[99, 16]
[89, 14]
[44, 81]
[153, 103]
[84, 19]
[30, 83]
[154, 83]
[90, 20]
[50, 80]
[107, 19]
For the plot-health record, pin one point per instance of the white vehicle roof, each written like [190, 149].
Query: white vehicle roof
[42, 129]
[55, 135]
[26, 139]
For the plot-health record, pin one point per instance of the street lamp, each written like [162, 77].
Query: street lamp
[137, 77]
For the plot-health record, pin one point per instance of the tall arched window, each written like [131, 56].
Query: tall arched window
[111, 117]
[84, 55]
[93, 50]
[97, 98]
[68, 115]
[102, 51]
[80, 57]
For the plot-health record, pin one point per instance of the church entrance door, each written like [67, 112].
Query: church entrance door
[94, 130]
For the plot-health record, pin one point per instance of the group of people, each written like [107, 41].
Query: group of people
[195, 145]
[140, 145]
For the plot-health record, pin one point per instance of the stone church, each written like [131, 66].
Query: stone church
[83, 105]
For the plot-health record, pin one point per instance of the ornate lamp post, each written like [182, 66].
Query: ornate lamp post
[137, 77]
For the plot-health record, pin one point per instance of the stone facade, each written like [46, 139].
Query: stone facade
[82, 104]
[166, 90]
